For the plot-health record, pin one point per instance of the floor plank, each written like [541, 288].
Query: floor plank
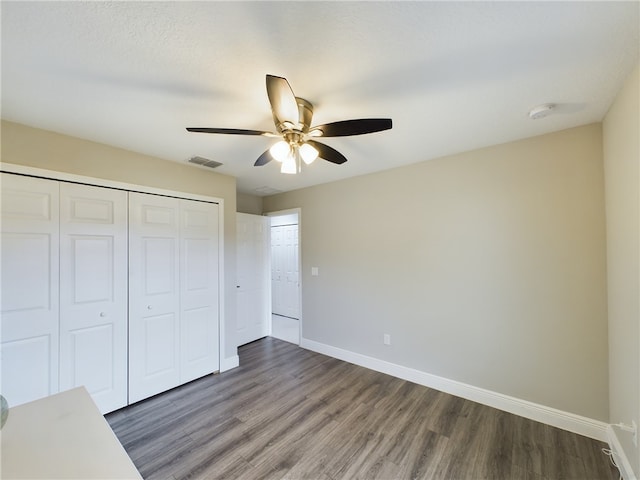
[288, 413]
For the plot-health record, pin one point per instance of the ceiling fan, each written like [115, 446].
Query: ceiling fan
[292, 116]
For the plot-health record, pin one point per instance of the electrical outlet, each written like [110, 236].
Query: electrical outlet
[387, 339]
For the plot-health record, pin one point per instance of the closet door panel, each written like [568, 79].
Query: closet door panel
[158, 351]
[93, 293]
[26, 368]
[29, 288]
[285, 275]
[26, 271]
[199, 314]
[154, 295]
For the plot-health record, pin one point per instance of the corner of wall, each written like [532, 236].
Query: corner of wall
[229, 363]
[621, 156]
[246, 203]
[619, 457]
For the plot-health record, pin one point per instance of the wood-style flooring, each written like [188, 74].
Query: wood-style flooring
[289, 413]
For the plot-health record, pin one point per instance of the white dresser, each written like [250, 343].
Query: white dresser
[63, 436]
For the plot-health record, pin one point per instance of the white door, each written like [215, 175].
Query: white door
[284, 270]
[252, 266]
[277, 270]
[154, 293]
[199, 303]
[93, 293]
[30, 269]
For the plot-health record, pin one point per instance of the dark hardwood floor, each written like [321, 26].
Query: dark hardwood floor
[288, 413]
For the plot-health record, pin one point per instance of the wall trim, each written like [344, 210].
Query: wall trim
[228, 363]
[557, 418]
[103, 182]
[619, 456]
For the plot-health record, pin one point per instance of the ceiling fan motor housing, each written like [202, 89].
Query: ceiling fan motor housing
[306, 114]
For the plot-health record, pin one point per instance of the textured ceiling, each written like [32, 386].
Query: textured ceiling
[453, 76]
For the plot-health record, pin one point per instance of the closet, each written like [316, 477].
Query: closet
[173, 255]
[285, 277]
[114, 290]
[93, 292]
[30, 288]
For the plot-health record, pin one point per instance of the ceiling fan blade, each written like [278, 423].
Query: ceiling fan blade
[229, 131]
[283, 102]
[346, 128]
[328, 153]
[263, 159]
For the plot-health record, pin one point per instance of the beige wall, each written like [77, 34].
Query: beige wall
[621, 129]
[52, 151]
[249, 204]
[486, 267]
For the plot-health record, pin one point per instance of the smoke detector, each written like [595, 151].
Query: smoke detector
[541, 111]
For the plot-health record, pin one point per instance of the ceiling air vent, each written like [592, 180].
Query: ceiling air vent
[205, 162]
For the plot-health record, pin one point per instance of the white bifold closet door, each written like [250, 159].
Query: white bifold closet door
[285, 276]
[199, 303]
[93, 292]
[30, 286]
[173, 292]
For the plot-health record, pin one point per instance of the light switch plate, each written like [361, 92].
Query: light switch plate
[314, 271]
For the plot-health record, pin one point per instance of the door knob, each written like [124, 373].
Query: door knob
[149, 307]
[102, 314]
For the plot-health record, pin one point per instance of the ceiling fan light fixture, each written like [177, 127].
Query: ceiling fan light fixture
[308, 153]
[280, 150]
[289, 165]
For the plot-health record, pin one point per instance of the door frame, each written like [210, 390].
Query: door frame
[227, 360]
[298, 212]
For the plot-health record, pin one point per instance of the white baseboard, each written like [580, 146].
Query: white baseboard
[619, 456]
[229, 363]
[540, 413]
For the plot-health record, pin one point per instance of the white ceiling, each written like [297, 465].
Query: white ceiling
[453, 76]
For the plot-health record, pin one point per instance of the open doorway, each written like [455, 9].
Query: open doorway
[285, 275]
